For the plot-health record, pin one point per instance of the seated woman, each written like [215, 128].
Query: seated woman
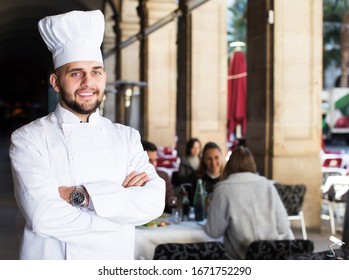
[189, 162]
[210, 170]
[245, 207]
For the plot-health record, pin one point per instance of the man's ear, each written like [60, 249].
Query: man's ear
[54, 82]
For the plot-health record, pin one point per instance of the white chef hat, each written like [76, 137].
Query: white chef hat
[73, 36]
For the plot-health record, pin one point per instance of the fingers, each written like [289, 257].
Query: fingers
[128, 178]
[135, 179]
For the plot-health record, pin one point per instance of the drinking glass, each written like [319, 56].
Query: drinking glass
[177, 215]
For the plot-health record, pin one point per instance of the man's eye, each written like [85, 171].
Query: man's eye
[97, 73]
[75, 74]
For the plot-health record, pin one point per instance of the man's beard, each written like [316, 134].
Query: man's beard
[80, 108]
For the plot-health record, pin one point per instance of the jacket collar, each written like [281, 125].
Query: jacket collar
[243, 177]
[65, 116]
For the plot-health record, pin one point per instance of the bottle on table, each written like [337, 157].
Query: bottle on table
[199, 201]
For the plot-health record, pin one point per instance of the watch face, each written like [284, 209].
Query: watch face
[77, 198]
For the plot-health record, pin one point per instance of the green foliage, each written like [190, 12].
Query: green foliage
[333, 11]
[237, 29]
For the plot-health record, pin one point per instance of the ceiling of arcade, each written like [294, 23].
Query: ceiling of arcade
[20, 41]
[22, 49]
[19, 37]
[24, 57]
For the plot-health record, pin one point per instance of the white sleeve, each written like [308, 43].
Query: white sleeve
[36, 192]
[133, 205]
[47, 214]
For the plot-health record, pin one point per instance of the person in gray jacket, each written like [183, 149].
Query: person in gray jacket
[245, 207]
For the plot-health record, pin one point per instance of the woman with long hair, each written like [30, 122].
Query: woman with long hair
[210, 169]
[189, 163]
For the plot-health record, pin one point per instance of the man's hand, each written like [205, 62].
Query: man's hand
[65, 192]
[135, 179]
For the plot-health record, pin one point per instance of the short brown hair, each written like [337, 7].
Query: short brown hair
[240, 160]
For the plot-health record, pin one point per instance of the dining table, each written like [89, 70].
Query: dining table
[147, 238]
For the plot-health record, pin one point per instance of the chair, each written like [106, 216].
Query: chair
[326, 172]
[334, 193]
[341, 254]
[190, 251]
[293, 197]
[345, 236]
[278, 249]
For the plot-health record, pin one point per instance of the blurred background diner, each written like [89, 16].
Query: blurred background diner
[189, 162]
[152, 152]
[245, 207]
[209, 171]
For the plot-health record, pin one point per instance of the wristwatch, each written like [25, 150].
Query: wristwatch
[78, 197]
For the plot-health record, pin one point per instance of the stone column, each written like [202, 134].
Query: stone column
[209, 72]
[109, 108]
[161, 89]
[209, 56]
[284, 90]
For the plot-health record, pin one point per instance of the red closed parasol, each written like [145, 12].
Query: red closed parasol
[236, 111]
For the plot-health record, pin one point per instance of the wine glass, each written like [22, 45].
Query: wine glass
[172, 202]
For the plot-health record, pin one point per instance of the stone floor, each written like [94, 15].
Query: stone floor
[11, 221]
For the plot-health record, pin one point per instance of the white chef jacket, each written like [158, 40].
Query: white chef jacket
[58, 150]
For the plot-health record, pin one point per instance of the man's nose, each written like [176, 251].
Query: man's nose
[86, 80]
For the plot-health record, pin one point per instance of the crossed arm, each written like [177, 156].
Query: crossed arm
[131, 180]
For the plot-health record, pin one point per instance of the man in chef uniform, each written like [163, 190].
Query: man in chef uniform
[81, 182]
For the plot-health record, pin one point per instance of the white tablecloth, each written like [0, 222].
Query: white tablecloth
[186, 232]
